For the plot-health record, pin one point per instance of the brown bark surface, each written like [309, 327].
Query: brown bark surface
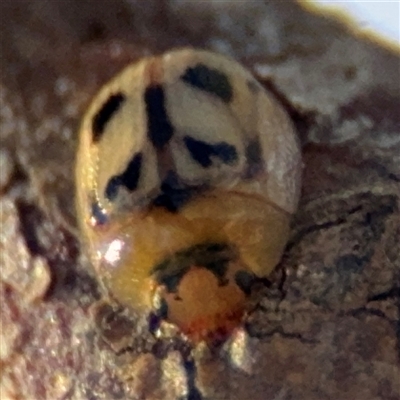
[328, 325]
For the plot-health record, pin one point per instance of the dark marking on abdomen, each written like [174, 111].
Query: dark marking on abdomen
[245, 281]
[202, 151]
[103, 116]
[210, 80]
[212, 256]
[129, 178]
[159, 127]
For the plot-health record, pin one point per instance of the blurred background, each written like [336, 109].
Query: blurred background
[382, 17]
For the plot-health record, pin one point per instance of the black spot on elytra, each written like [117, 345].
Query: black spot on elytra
[103, 116]
[254, 158]
[245, 280]
[112, 187]
[202, 151]
[212, 256]
[98, 213]
[210, 80]
[159, 127]
[131, 175]
[174, 194]
[129, 178]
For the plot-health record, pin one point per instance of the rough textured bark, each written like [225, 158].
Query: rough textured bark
[327, 327]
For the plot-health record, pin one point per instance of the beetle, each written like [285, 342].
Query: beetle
[187, 174]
